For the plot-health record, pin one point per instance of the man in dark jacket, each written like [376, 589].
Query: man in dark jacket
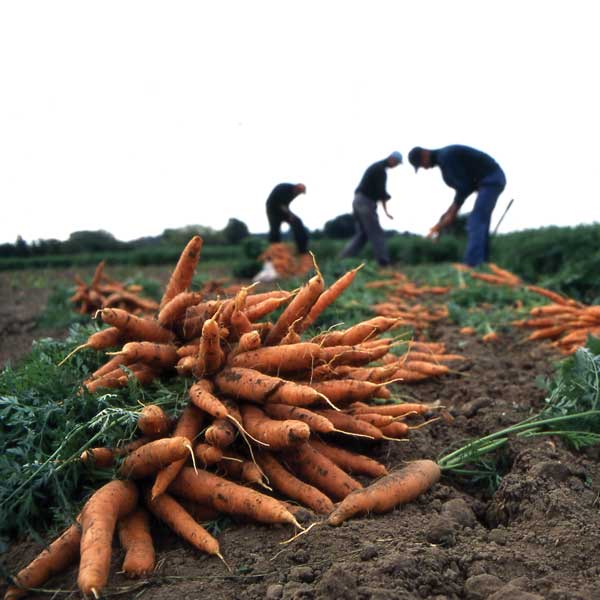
[466, 170]
[370, 190]
[278, 212]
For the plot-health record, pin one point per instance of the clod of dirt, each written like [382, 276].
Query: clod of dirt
[510, 592]
[302, 574]
[441, 531]
[368, 552]
[470, 409]
[551, 469]
[337, 583]
[480, 587]
[459, 511]
[297, 591]
[274, 592]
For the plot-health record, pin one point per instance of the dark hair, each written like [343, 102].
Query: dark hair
[414, 156]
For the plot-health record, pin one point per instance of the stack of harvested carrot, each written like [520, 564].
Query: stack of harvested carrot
[565, 322]
[105, 292]
[398, 304]
[285, 262]
[263, 407]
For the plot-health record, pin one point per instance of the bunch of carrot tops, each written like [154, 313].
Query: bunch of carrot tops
[262, 407]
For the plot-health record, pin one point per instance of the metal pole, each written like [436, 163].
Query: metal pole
[503, 215]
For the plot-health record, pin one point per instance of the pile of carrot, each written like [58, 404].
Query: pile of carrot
[565, 322]
[266, 409]
[285, 262]
[104, 292]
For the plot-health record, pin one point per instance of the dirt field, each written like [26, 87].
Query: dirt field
[536, 537]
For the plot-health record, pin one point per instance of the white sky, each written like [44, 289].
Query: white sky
[136, 116]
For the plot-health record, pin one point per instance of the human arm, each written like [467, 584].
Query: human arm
[445, 220]
[385, 210]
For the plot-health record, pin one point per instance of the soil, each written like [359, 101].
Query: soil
[535, 537]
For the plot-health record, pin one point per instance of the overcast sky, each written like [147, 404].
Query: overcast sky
[136, 116]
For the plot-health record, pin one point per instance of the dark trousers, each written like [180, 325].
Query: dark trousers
[276, 218]
[478, 226]
[367, 228]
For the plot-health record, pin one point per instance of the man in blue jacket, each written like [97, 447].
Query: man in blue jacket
[466, 170]
[370, 191]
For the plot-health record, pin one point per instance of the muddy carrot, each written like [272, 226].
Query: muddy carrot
[321, 472]
[182, 275]
[167, 509]
[59, 555]
[154, 456]
[229, 498]
[134, 535]
[136, 328]
[99, 516]
[291, 487]
[383, 495]
[277, 434]
[349, 461]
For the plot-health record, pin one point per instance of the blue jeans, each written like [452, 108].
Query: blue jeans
[478, 226]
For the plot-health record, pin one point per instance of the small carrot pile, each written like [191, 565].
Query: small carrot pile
[285, 262]
[105, 292]
[264, 420]
[564, 322]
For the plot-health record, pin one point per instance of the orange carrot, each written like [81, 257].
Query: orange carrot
[395, 430]
[349, 424]
[99, 516]
[167, 509]
[221, 433]
[291, 487]
[490, 336]
[504, 273]
[252, 385]
[349, 461]
[151, 353]
[237, 467]
[328, 297]
[182, 275]
[134, 535]
[201, 395]
[296, 310]
[188, 426]
[352, 355]
[392, 490]
[174, 309]
[100, 340]
[314, 421]
[210, 355]
[408, 376]
[375, 419]
[136, 328]
[277, 434]
[59, 555]
[154, 456]
[207, 454]
[360, 332]
[103, 458]
[153, 421]
[257, 311]
[116, 361]
[548, 333]
[426, 368]
[393, 410]
[344, 391]
[321, 472]
[247, 342]
[557, 298]
[229, 498]
[279, 359]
